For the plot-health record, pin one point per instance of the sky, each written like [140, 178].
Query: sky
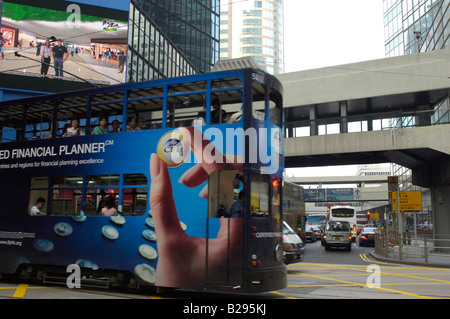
[322, 33]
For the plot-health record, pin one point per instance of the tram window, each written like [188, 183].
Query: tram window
[94, 200]
[228, 104]
[221, 193]
[66, 193]
[146, 106]
[135, 179]
[275, 108]
[38, 117]
[70, 109]
[259, 203]
[134, 201]
[66, 119]
[187, 87]
[182, 110]
[108, 105]
[67, 181]
[259, 101]
[38, 188]
[102, 180]
[226, 83]
[11, 126]
[66, 202]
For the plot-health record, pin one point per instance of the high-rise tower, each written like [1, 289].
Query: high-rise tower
[253, 28]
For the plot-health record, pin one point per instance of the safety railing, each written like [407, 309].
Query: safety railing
[425, 248]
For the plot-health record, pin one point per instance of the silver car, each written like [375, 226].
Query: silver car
[338, 234]
[294, 251]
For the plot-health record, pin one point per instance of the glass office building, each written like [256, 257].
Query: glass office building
[253, 29]
[169, 38]
[412, 26]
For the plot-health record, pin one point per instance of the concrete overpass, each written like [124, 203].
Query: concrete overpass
[414, 89]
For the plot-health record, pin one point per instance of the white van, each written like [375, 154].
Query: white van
[338, 233]
[294, 250]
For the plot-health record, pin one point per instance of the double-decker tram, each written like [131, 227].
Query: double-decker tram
[168, 183]
[294, 208]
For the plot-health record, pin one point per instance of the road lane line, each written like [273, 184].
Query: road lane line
[379, 288]
[20, 291]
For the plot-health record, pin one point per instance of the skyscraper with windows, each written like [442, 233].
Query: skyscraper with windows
[253, 28]
[170, 38]
[412, 26]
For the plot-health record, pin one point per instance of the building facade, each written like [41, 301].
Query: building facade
[413, 26]
[253, 29]
[169, 38]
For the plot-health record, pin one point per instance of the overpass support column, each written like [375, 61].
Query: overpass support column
[344, 120]
[435, 175]
[440, 200]
[314, 127]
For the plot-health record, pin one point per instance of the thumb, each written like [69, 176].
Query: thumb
[162, 205]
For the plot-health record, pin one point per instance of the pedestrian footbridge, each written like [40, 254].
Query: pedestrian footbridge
[399, 106]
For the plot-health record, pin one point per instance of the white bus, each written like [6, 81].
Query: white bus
[343, 212]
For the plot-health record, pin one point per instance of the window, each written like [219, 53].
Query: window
[275, 108]
[259, 101]
[85, 195]
[146, 107]
[259, 202]
[343, 212]
[222, 193]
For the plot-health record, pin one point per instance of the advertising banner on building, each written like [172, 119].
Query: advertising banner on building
[72, 40]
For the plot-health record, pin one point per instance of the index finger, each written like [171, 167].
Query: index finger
[207, 155]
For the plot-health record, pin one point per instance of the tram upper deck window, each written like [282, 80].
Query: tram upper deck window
[146, 107]
[226, 100]
[229, 108]
[259, 101]
[38, 120]
[182, 110]
[72, 113]
[108, 106]
[275, 103]
[11, 124]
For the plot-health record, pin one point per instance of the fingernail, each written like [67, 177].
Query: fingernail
[204, 192]
[185, 175]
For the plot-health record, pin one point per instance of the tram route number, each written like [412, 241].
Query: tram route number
[230, 309]
[258, 77]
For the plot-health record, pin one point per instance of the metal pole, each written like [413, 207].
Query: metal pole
[415, 228]
[425, 247]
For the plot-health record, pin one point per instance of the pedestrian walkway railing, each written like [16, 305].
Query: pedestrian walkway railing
[426, 248]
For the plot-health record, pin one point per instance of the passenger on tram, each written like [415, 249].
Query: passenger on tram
[103, 127]
[108, 206]
[141, 125]
[48, 134]
[236, 116]
[36, 209]
[75, 129]
[131, 124]
[115, 126]
[218, 115]
[237, 209]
